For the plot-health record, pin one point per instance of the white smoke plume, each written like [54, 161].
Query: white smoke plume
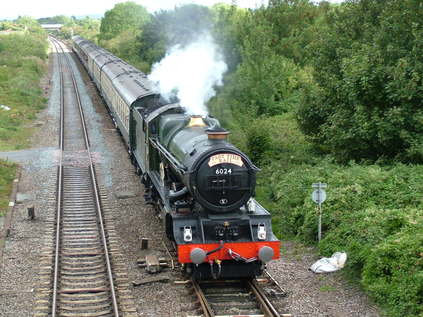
[190, 73]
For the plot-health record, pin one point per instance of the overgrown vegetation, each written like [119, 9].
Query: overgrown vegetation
[7, 174]
[22, 64]
[23, 51]
[86, 27]
[321, 92]
[367, 99]
[373, 212]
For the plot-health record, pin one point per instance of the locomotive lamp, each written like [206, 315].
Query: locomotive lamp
[251, 206]
[187, 234]
[226, 231]
[220, 232]
[234, 232]
[261, 232]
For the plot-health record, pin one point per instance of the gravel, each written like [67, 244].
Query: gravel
[311, 294]
[19, 265]
[308, 294]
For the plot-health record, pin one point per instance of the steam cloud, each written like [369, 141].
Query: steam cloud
[190, 73]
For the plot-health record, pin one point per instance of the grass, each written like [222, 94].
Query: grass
[7, 174]
[327, 288]
[22, 64]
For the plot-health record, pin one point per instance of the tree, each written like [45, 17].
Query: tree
[227, 20]
[186, 23]
[86, 27]
[58, 19]
[28, 24]
[266, 80]
[368, 99]
[26, 20]
[293, 24]
[180, 26]
[123, 17]
[153, 40]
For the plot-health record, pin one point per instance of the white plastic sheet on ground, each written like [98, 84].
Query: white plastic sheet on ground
[332, 264]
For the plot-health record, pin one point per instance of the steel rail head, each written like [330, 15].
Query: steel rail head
[264, 302]
[96, 195]
[207, 310]
[169, 255]
[59, 193]
[275, 282]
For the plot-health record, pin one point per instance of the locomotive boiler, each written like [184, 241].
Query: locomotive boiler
[202, 185]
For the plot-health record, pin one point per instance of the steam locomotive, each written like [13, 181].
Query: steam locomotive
[203, 185]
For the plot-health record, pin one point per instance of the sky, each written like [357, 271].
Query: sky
[47, 8]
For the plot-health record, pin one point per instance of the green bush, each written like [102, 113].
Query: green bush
[359, 232]
[373, 212]
[393, 273]
[258, 142]
[22, 64]
[126, 47]
[7, 174]
[87, 27]
[367, 103]
[23, 45]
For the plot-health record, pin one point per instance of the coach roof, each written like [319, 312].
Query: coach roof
[132, 83]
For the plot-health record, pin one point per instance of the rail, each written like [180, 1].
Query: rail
[234, 298]
[96, 196]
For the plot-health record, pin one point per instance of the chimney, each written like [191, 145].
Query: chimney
[217, 133]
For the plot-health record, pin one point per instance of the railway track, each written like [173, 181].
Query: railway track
[81, 272]
[233, 298]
